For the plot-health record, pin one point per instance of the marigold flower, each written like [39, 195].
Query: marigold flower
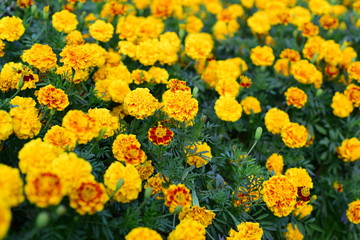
[6, 123]
[198, 154]
[279, 194]
[198, 45]
[5, 220]
[193, 24]
[74, 38]
[329, 22]
[40, 56]
[228, 109]
[199, 214]
[341, 105]
[75, 56]
[44, 188]
[82, 125]
[259, 23]
[64, 21]
[299, 177]
[353, 212]
[332, 52]
[162, 8]
[290, 54]
[158, 75]
[250, 105]
[2, 48]
[176, 195]
[354, 71]
[275, 163]
[304, 72]
[147, 52]
[188, 229]
[88, 197]
[160, 135]
[126, 148]
[53, 97]
[245, 81]
[24, 3]
[352, 92]
[26, 122]
[299, 15]
[140, 76]
[60, 137]
[12, 73]
[225, 29]
[180, 105]
[262, 56]
[309, 29]
[140, 103]
[246, 231]
[349, 151]
[11, 28]
[67, 73]
[143, 233]
[105, 120]
[132, 182]
[293, 233]
[156, 184]
[283, 66]
[101, 30]
[294, 135]
[303, 211]
[295, 97]
[275, 120]
[145, 170]
[338, 186]
[227, 87]
[11, 186]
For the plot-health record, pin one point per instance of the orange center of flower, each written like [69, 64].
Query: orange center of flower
[47, 184]
[89, 192]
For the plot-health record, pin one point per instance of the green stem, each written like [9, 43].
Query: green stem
[252, 147]
[52, 113]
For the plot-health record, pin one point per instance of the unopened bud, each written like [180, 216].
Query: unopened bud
[178, 209]
[148, 192]
[42, 220]
[258, 133]
[60, 210]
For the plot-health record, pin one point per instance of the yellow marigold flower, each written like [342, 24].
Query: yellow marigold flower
[225, 29]
[188, 229]
[170, 45]
[88, 197]
[228, 87]
[60, 137]
[6, 123]
[348, 54]
[198, 45]
[44, 188]
[275, 120]
[259, 23]
[71, 169]
[156, 184]
[262, 56]
[5, 219]
[101, 30]
[245, 81]
[304, 72]
[349, 151]
[228, 109]
[341, 105]
[40, 56]
[295, 97]
[312, 49]
[332, 52]
[140, 103]
[193, 24]
[294, 135]
[293, 233]
[64, 21]
[299, 15]
[275, 163]
[299, 177]
[147, 52]
[145, 170]
[118, 91]
[75, 56]
[127, 148]
[290, 54]
[177, 195]
[198, 154]
[74, 38]
[309, 29]
[97, 54]
[82, 125]
[112, 8]
[132, 182]
[283, 66]
[141, 4]
[198, 214]
[2, 48]
[329, 22]
[53, 97]
[319, 7]
[303, 211]
[354, 71]
[105, 121]
[246, 231]
[116, 73]
[66, 73]
[353, 212]
[11, 74]
[160, 135]
[11, 185]
[352, 92]
[119, 112]
[11, 28]
[250, 105]
[162, 8]
[140, 76]
[102, 89]
[143, 233]
[279, 194]
[150, 27]
[180, 105]
[158, 75]
[127, 27]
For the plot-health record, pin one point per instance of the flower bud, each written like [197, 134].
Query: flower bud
[148, 192]
[258, 133]
[60, 210]
[42, 220]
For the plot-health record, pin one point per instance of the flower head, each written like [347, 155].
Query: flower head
[5, 219]
[53, 97]
[353, 212]
[6, 125]
[60, 137]
[143, 233]
[64, 21]
[198, 154]
[228, 109]
[180, 105]
[126, 148]
[40, 56]
[294, 135]
[11, 28]
[246, 231]
[140, 103]
[295, 97]
[262, 56]
[349, 150]
[11, 186]
[275, 163]
[275, 120]
[160, 135]
[188, 229]
[101, 30]
[293, 232]
[341, 105]
[176, 195]
[199, 214]
[352, 92]
[250, 105]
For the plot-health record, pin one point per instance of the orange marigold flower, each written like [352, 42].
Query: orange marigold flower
[304, 72]
[101, 30]
[53, 97]
[198, 154]
[275, 163]
[140, 103]
[349, 151]
[88, 197]
[250, 105]
[228, 109]
[290, 54]
[262, 56]
[353, 212]
[11, 28]
[162, 8]
[5, 219]
[44, 188]
[143, 233]
[160, 135]
[309, 29]
[341, 105]
[295, 97]
[246, 231]
[293, 233]
[283, 66]
[82, 125]
[40, 56]
[275, 120]
[74, 38]
[279, 194]
[24, 3]
[145, 170]
[294, 135]
[199, 214]
[188, 229]
[354, 71]
[64, 21]
[132, 182]
[6, 123]
[177, 195]
[198, 45]
[352, 92]
[75, 56]
[180, 105]
[193, 24]
[156, 184]
[126, 148]
[11, 186]
[60, 137]
[329, 22]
